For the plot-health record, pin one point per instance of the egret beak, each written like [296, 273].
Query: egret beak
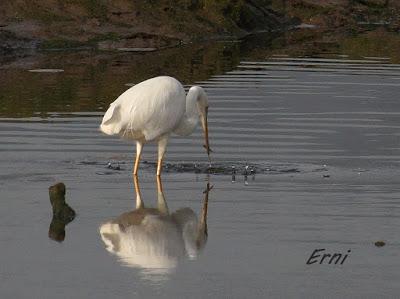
[204, 123]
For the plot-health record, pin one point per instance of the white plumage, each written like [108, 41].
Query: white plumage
[152, 110]
[153, 238]
[158, 241]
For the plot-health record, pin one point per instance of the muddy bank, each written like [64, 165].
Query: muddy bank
[128, 24]
[353, 16]
[149, 25]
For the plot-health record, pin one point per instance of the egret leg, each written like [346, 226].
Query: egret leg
[162, 145]
[139, 146]
[161, 202]
[139, 201]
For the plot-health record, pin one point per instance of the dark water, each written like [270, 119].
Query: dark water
[317, 122]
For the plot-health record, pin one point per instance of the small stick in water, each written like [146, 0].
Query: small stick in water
[233, 173]
[246, 171]
[62, 212]
[253, 173]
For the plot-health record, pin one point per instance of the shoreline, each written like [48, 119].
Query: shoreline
[144, 27]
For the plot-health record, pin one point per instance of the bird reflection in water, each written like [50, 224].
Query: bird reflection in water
[153, 239]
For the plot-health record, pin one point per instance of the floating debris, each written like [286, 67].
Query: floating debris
[46, 71]
[306, 26]
[233, 168]
[376, 58]
[196, 169]
[110, 166]
[137, 49]
[360, 170]
[253, 173]
[380, 243]
[245, 173]
[326, 176]
[246, 170]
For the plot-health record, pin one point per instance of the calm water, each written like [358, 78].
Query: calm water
[319, 123]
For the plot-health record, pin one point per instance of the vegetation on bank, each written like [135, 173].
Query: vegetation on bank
[103, 24]
[346, 15]
[127, 23]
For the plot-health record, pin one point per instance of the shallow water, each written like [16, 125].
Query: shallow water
[319, 130]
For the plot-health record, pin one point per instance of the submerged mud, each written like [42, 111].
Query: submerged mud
[207, 168]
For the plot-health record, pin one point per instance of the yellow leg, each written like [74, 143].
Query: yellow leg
[159, 185]
[161, 202]
[139, 146]
[162, 145]
[139, 201]
[159, 166]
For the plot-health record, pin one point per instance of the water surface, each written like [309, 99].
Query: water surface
[319, 127]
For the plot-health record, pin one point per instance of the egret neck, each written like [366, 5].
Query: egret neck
[196, 107]
[191, 117]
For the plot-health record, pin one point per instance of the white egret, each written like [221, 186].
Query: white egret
[152, 110]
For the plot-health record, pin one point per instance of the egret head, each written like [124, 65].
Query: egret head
[202, 105]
